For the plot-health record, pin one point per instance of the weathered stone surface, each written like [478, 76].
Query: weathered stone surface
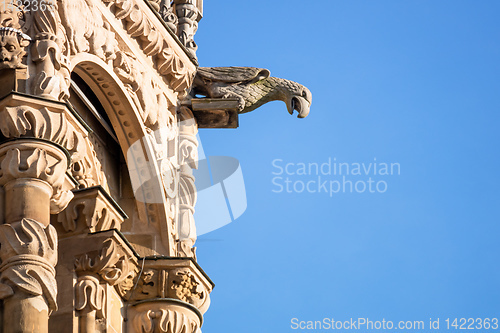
[252, 87]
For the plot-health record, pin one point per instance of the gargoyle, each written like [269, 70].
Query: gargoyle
[252, 87]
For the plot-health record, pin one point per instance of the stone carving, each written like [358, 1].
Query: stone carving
[12, 45]
[164, 321]
[150, 40]
[90, 295]
[188, 15]
[167, 13]
[147, 95]
[169, 282]
[85, 29]
[29, 253]
[112, 264]
[43, 123]
[186, 287]
[188, 160]
[88, 170]
[90, 211]
[38, 160]
[13, 16]
[252, 87]
[52, 78]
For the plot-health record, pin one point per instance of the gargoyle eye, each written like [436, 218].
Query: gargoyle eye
[304, 94]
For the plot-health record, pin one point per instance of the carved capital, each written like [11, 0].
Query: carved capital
[29, 253]
[110, 264]
[30, 158]
[178, 279]
[105, 256]
[49, 122]
[91, 210]
[46, 132]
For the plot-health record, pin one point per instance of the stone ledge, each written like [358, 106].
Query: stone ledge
[215, 112]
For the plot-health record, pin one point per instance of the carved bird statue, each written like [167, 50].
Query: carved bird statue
[252, 87]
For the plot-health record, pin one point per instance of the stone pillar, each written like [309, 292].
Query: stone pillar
[32, 172]
[39, 141]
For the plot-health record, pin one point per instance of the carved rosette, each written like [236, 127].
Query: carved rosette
[29, 253]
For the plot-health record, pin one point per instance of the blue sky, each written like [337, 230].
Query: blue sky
[409, 82]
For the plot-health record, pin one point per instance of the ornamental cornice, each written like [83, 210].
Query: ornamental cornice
[170, 59]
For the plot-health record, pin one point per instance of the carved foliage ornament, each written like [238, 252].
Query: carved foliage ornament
[52, 125]
[178, 284]
[29, 254]
[90, 211]
[52, 78]
[164, 321]
[39, 160]
[167, 62]
[112, 264]
[90, 295]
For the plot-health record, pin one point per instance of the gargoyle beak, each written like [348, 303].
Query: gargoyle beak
[300, 104]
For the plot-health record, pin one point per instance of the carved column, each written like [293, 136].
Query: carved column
[32, 172]
[188, 15]
[113, 265]
[38, 144]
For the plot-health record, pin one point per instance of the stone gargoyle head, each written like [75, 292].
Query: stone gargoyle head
[12, 47]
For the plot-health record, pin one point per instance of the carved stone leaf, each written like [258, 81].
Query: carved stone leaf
[144, 323]
[90, 295]
[29, 254]
[164, 321]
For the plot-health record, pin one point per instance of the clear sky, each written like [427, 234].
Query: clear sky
[416, 83]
